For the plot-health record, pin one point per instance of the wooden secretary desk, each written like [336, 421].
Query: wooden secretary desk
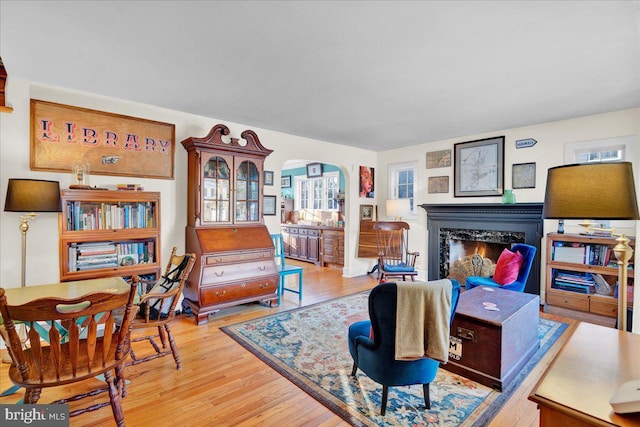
[235, 254]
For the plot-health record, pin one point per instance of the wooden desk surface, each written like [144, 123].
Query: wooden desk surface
[66, 290]
[585, 374]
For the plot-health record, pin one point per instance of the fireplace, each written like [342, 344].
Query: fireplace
[459, 230]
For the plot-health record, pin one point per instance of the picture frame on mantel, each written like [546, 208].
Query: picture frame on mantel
[479, 168]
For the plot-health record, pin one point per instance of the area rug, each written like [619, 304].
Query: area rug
[309, 347]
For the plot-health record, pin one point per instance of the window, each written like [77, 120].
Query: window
[317, 193]
[601, 150]
[402, 182]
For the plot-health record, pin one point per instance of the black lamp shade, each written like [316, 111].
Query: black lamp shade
[591, 191]
[33, 195]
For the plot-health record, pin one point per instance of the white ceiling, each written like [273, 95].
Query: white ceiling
[371, 74]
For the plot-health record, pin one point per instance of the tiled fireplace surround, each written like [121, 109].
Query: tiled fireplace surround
[499, 224]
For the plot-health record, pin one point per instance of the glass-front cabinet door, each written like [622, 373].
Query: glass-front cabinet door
[247, 192]
[230, 190]
[216, 189]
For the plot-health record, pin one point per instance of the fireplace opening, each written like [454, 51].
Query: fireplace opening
[473, 252]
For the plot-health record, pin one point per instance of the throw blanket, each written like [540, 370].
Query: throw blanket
[422, 320]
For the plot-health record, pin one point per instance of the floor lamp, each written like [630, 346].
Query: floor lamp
[596, 191]
[31, 195]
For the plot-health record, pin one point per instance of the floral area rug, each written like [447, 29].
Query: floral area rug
[309, 347]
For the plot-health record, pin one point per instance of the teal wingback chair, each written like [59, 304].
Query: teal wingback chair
[528, 254]
[376, 356]
[285, 270]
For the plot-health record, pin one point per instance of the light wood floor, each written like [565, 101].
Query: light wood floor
[222, 384]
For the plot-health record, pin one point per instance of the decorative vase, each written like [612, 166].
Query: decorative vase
[508, 198]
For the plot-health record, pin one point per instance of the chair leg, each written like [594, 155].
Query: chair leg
[115, 399]
[31, 395]
[427, 399]
[354, 369]
[174, 347]
[383, 404]
[299, 286]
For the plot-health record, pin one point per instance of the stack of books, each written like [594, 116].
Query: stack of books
[572, 281]
[130, 187]
[92, 256]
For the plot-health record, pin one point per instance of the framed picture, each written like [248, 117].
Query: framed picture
[524, 175]
[367, 176]
[366, 212]
[314, 170]
[438, 159]
[268, 177]
[269, 205]
[285, 181]
[438, 184]
[479, 168]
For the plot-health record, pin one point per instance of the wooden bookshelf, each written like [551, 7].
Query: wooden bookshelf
[569, 273]
[109, 233]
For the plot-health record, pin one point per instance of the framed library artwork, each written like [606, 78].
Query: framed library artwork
[314, 170]
[438, 159]
[285, 181]
[524, 175]
[268, 177]
[479, 168]
[366, 212]
[111, 144]
[269, 205]
[438, 184]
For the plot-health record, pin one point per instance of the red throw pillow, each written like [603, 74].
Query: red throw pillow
[508, 267]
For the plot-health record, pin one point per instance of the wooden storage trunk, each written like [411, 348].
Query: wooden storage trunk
[491, 347]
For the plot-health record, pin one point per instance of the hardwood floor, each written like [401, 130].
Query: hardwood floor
[222, 384]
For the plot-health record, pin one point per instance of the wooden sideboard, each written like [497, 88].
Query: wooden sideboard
[576, 388]
[320, 245]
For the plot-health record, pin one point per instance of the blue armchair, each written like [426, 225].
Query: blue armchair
[528, 254]
[376, 357]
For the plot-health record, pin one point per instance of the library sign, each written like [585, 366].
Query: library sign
[111, 144]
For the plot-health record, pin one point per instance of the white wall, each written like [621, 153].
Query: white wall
[42, 238]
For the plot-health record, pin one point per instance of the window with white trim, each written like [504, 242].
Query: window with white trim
[317, 193]
[402, 183]
[601, 150]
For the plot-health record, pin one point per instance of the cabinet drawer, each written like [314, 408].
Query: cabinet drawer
[313, 232]
[605, 308]
[303, 231]
[578, 302]
[233, 272]
[238, 257]
[211, 295]
[292, 230]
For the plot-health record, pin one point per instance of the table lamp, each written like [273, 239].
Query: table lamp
[397, 208]
[596, 191]
[31, 195]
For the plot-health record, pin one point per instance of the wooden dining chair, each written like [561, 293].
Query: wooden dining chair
[394, 258]
[285, 270]
[158, 309]
[71, 340]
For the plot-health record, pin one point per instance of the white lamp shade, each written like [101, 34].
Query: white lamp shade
[398, 208]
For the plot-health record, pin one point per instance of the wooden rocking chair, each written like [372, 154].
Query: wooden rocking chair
[158, 307]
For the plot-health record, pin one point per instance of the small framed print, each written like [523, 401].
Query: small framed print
[268, 177]
[269, 205]
[524, 175]
[314, 170]
[285, 181]
[366, 212]
[438, 184]
[438, 159]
